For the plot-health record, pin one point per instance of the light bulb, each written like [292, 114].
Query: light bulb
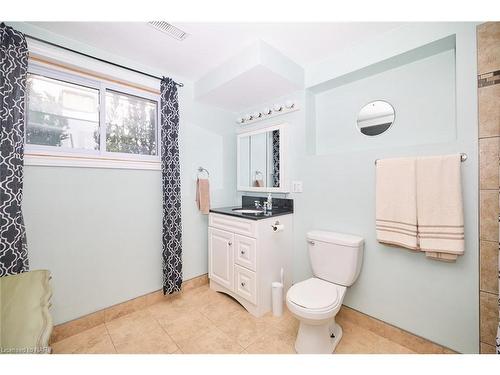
[289, 104]
[266, 111]
[277, 108]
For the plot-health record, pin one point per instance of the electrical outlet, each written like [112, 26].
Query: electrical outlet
[297, 186]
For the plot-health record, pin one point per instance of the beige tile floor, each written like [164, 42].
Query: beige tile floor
[203, 321]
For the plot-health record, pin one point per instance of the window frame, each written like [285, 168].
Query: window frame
[54, 155]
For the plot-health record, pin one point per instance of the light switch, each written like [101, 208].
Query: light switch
[297, 186]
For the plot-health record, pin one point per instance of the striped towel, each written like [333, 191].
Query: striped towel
[439, 207]
[419, 205]
[396, 202]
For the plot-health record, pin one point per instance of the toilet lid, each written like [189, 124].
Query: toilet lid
[315, 294]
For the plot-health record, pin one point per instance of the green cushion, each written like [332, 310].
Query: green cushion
[25, 321]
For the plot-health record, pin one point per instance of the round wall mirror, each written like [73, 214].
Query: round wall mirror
[375, 118]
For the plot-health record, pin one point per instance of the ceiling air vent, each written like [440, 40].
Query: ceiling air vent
[169, 29]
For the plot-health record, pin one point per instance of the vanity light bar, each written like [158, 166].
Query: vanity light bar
[278, 109]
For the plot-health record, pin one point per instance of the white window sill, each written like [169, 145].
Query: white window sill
[32, 159]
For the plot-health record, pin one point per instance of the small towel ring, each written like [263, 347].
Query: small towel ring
[201, 170]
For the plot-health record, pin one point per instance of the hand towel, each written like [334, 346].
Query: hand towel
[259, 183]
[203, 195]
[396, 202]
[439, 206]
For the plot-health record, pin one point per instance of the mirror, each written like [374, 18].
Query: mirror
[375, 118]
[260, 160]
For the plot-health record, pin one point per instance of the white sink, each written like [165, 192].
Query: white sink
[247, 211]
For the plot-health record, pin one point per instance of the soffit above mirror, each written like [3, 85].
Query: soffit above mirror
[258, 74]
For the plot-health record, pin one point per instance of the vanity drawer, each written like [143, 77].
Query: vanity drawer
[245, 284]
[244, 251]
[233, 224]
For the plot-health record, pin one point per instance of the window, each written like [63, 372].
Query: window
[130, 124]
[69, 115]
[62, 114]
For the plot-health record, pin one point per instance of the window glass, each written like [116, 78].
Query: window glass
[62, 114]
[130, 124]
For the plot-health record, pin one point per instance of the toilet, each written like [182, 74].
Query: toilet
[336, 261]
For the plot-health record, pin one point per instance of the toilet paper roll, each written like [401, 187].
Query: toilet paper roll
[278, 227]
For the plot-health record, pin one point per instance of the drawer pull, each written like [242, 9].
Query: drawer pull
[243, 284]
[230, 243]
[242, 252]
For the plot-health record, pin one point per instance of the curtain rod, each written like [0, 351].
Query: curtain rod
[98, 58]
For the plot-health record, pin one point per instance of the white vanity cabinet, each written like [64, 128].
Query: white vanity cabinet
[245, 256]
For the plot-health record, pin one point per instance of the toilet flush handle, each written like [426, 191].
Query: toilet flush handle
[311, 242]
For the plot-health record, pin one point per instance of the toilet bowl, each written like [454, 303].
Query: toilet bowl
[336, 262]
[315, 302]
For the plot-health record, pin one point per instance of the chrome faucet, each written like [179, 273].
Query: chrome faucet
[269, 202]
[258, 205]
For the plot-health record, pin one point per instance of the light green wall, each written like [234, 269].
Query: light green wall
[435, 300]
[99, 230]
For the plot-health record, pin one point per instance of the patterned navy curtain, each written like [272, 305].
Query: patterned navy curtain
[14, 67]
[171, 184]
[276, 158]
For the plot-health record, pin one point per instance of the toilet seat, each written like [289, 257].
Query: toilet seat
[315, 298]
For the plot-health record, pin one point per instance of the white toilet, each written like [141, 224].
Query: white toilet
[336, 261]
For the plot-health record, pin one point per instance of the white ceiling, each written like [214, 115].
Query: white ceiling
[210, 44]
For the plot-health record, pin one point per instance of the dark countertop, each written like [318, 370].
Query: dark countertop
[229, 211]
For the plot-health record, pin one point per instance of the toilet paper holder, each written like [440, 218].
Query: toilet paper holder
[277, 226]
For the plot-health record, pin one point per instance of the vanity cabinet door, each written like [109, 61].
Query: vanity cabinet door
[244, 251]
[221, 257]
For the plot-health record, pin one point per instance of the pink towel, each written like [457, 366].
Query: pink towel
[203, 195]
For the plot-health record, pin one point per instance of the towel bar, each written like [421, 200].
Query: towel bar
[463, 157]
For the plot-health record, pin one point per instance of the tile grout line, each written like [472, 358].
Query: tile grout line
[165, 331]
[488, 137]
[218, 329]
[216, 326]
[110, 337]
[492, 293]
[226, 335]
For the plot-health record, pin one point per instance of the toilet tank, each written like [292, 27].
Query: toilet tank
[335, 257]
